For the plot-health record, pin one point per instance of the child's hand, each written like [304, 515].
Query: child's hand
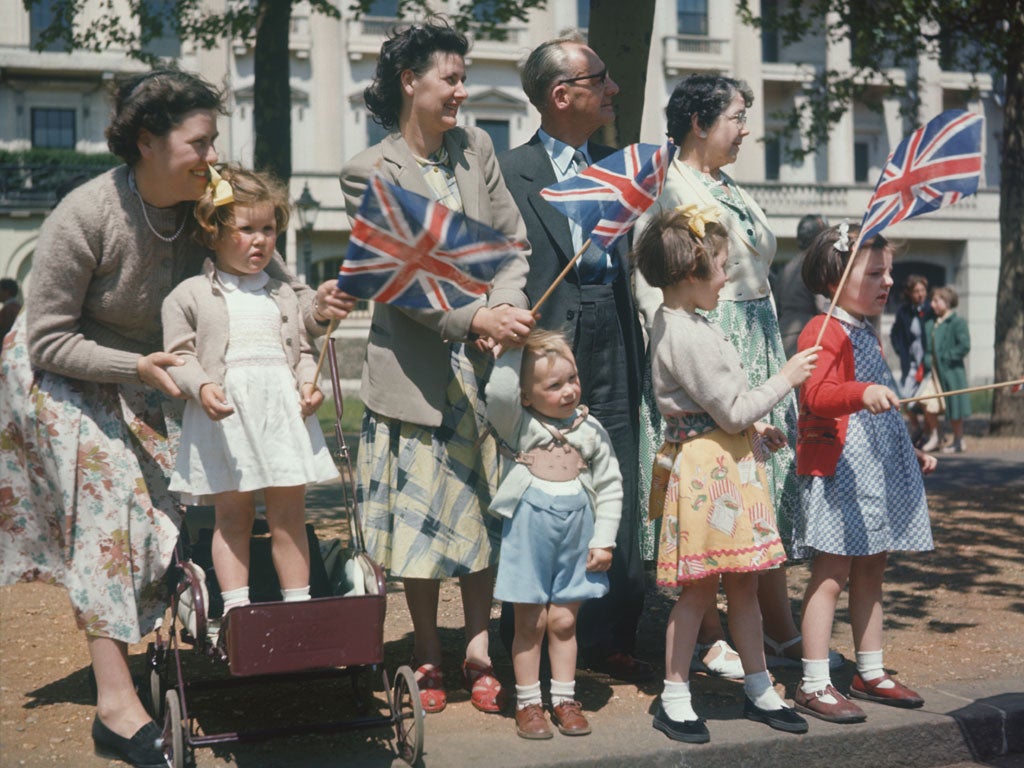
[773, 437]
[878, 399]
[310, 399]
[599, 559]
[799, 367]
[214, 403]
[927, 462]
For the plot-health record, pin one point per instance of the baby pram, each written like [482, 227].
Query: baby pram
[338, 635]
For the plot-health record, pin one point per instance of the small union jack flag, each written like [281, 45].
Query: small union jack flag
[410, 251]
[933, 167]
[608, 197]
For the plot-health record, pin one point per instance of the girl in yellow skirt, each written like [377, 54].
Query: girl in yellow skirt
[709, 483]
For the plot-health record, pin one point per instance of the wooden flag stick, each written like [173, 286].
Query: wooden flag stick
[561, 277]
[323, 352]
[838, 290]
[999, 385]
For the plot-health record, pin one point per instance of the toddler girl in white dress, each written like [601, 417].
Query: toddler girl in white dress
[248, 372]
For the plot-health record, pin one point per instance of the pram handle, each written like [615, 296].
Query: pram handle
[347, 475]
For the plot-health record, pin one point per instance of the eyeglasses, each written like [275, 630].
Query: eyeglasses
[740, 118]
[601, 77]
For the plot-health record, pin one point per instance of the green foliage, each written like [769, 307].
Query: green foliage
[483, 18]
[352, 415]
[885, 37]
[99, 160]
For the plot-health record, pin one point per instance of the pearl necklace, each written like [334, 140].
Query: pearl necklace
[135, 189]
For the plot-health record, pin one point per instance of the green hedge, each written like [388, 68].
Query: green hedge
[99, 160]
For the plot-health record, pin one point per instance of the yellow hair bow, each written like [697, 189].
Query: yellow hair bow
[697, 218]
[220, 189]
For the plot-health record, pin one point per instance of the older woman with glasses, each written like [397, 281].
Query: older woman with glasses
[707, 120]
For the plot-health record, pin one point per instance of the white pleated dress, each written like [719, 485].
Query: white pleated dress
[265, 443]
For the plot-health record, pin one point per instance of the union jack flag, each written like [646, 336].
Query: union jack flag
[933, 167]
[608, 197]
[410, 251]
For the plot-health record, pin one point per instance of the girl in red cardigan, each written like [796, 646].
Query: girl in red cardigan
[862, 495]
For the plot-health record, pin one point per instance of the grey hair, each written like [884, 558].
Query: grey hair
[546, 64]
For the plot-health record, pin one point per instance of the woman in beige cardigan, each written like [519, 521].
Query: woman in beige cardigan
[85, 398]
[425, 477]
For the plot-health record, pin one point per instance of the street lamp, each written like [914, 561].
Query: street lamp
[307, 207]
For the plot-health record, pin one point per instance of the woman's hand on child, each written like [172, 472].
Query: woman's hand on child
[151, 372]
[799, 367]
[927, 461]
[504, 324]
[878, 399]
[773, 437]
[599, 559]
[330, 303]
[214, 403]
[310, 399]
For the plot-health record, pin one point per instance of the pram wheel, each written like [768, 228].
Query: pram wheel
[407, 713]
[156, 693]
[174, 731]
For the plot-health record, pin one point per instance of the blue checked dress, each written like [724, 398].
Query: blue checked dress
[875, 502]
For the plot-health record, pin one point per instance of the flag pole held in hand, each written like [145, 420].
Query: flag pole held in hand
[935, 166]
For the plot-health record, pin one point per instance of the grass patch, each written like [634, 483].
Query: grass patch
[981, 402]
[352, 416]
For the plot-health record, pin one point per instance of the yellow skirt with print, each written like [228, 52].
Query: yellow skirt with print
[712, 493]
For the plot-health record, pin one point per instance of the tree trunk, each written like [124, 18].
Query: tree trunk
[620, 32]
[272, 119]
[1008, 408]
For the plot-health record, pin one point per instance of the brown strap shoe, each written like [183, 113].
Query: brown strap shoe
[531, 723]
[828, 704]
[568, 717]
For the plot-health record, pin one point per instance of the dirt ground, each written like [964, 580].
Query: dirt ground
[954, 614]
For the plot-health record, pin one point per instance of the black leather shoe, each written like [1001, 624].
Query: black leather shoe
[140, 750]
[690, 731]
[784, 719]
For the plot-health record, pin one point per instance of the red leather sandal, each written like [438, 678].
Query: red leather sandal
[486, 692]
[433, 698]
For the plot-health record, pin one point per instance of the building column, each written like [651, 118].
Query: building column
[840, 144]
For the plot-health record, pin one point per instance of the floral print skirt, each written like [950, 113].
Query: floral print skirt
[83, 497]
[716, 508]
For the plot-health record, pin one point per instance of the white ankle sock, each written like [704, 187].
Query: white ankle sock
[760, 691]
[235, 598]
[561, 692]
[816, 675]
[295, 595]
[676, 701]
[527, 695]
[870, 667]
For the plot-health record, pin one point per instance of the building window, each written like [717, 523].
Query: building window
[498, 131]
[861, 166]
[41, 15]
[692, 17]
[383, 9]
[583, 14]
[769, 35]
[772, 159]
[164, 41]
[53, 128]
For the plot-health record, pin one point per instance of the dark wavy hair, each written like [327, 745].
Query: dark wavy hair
[668, 251]
[707, 97]
[408, 48]
[250, 188]
[824, 265]
[156, 101]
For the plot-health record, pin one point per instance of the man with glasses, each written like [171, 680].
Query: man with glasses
[570, 86]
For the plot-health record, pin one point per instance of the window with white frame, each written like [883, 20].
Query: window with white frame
[692, 17]
[40, 15]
